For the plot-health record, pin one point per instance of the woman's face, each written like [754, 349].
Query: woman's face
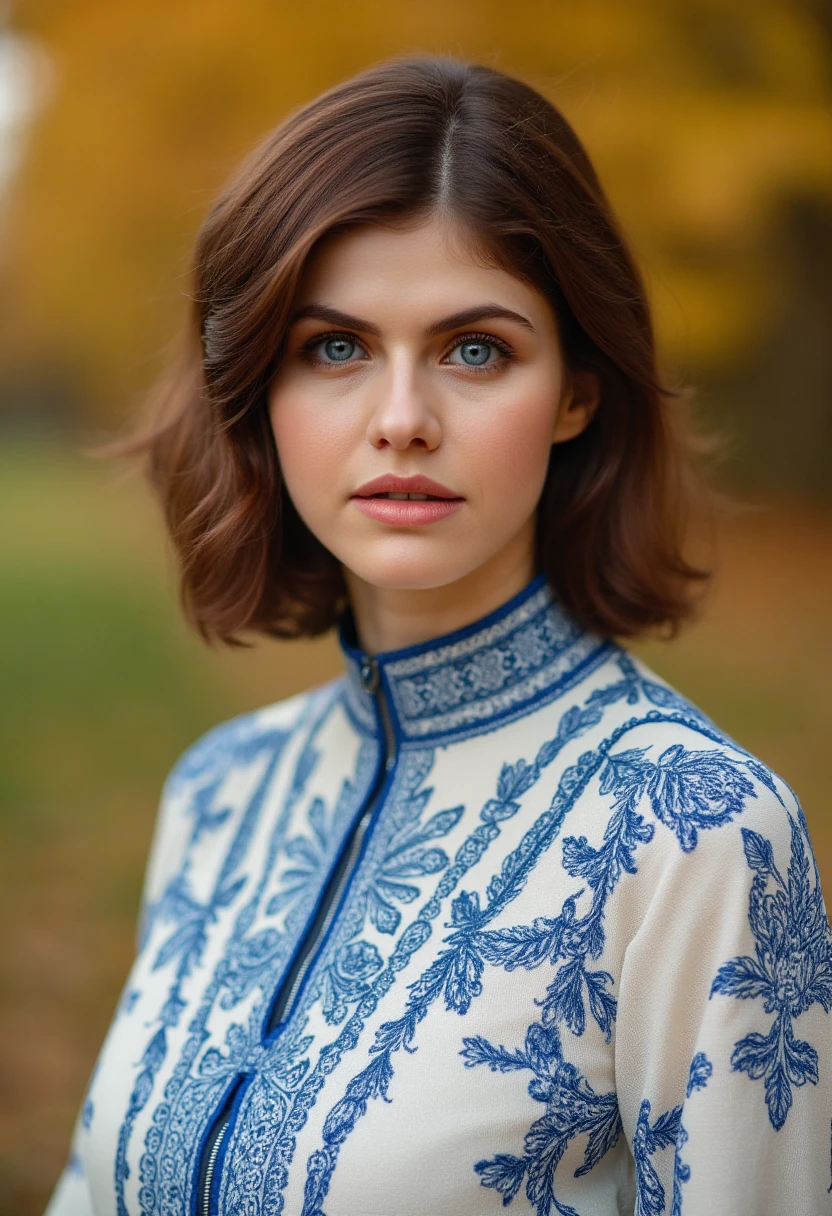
[407, 358]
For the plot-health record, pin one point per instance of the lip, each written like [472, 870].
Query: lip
[401, 513]
[391, 483]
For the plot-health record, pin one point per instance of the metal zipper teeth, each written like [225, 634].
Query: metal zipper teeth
[354, 847]
[355, 844]
[211, 1165]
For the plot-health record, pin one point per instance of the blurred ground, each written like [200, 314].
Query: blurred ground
[102, 689]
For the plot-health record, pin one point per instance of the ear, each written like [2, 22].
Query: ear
[580, 399]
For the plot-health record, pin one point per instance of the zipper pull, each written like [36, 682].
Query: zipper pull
[368, 674]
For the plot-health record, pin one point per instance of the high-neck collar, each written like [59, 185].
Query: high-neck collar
[472, 679]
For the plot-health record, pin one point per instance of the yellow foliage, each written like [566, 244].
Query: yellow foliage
[702, 117]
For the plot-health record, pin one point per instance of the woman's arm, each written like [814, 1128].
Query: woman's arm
[724, 1034]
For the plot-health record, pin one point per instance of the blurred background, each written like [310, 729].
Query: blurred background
[711, 126]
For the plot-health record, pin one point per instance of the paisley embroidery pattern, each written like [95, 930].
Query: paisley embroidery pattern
[195, 1087]
[185, 944]
[791, 970]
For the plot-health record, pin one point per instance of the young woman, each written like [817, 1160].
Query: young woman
[497, 917]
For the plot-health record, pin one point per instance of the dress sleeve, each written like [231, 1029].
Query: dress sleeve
[723, 1048]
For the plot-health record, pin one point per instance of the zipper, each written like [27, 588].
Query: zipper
[213, 1146]
[288, 992]
[211, 1165]
[318, 927]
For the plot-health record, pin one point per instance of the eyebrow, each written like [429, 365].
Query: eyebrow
[456, 320]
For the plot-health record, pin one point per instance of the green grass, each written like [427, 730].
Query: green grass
[103, 688]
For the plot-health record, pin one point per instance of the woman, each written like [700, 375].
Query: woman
[497, 917]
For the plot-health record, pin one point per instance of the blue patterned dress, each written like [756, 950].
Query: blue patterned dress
[498, 920]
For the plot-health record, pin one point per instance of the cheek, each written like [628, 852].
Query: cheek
[512, 446]
[311, 440]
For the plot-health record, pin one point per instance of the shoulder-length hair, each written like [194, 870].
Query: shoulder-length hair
[403, 138]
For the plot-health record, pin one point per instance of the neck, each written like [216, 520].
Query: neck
[392, 618]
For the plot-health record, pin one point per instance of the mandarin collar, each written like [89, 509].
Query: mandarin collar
[472, 679]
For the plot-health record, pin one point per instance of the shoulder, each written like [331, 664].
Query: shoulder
[689, 779]
[238, 739]
[186, 809]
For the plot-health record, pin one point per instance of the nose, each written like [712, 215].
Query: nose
[402, 413]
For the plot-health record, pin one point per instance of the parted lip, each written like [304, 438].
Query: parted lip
[391, 484]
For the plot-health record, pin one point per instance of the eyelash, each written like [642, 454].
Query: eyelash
[307, 351]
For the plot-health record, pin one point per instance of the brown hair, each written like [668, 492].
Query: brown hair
[397, 140]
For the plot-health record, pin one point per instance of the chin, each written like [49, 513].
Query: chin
[421, 572]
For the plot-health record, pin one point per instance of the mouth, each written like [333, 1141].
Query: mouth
[414, 497]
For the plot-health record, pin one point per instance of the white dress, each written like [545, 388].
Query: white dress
[499, 920]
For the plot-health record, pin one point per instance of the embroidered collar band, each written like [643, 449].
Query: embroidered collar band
[523, 654]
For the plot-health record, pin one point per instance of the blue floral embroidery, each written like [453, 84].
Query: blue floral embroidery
[456, 973]
[649, 1139]
[572, 1109]
[666, 1131]
[688, 790]
[701, 1070]
[187, 941]
[676, 797]
[791, 970]
[190, 1093]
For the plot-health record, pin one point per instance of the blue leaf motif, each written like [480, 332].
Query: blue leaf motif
[463, 983]
[741, 977]
[666, 1128]
[754, 1054]
[504, 1173]
[778, 1096]
[478, 1050]
[515, 780]
[564, 1000]
[603, 1007]
[700, 1073]
[626, 772]
[792, 970]
[758, 851]
[465, 909]
[528, 945]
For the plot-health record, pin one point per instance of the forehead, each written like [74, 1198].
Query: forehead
[434, 264]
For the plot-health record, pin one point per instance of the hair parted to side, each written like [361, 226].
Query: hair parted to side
[394, 142]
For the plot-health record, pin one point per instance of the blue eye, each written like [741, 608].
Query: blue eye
[339, 350]
[479, 351]
[475, 353]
